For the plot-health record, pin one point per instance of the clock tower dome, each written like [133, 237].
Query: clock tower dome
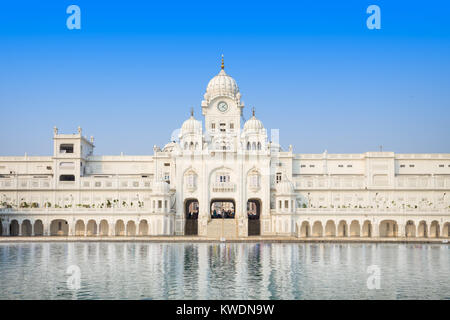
[222, 105]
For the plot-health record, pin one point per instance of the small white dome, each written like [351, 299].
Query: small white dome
[169, 147]
[191, 126]
[222, 85]
[285, 187]
[253, 124]
[161, 187]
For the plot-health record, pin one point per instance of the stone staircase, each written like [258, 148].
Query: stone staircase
[222, 228]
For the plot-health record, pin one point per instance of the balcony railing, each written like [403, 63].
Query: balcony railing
[223, 187]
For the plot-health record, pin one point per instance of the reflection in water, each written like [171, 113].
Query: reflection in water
[223, 271]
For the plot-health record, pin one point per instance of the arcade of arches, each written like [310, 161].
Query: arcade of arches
[366, 229]
[387, 228]
[88, 227]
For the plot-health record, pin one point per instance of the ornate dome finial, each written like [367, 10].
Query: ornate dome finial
[192, 111]
[253, 111]
[223, 66]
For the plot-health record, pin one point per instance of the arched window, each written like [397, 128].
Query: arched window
[259, 145]
[248, 145]
[191, 146]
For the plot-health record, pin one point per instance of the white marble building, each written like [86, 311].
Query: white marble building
[223, 178]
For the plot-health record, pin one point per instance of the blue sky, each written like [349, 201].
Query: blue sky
[310, 68]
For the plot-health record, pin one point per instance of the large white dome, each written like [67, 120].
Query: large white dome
[253, 124]
[285, 187]
[191, 126]
[222, 85]
[161, 187]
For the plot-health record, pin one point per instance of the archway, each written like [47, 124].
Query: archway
[143, 228]
[120, 228]
[80, 228]
[131, 228]
[253, 215]
[434, 229]
[355, 229]
[59, 227]
[342, 229]
[14, 228]
[91, 229]
[305, 230]
[330, 229]
[103, 228]
[446, 230]
[222, 209]
[317, 230]
[26, 228]
[191, 209]
[38, 228]
[388, 228]
[367, 229]
[410, 229]
[422, 230]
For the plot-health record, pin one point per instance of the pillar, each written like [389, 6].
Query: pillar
[401, 230]
[375, 229]
[46, 227]
[71, 229]
[7, 228]
[112, 229]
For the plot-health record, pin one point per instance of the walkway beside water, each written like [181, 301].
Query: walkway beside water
[276, 239]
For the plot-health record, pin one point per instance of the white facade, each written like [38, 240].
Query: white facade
[74, 192]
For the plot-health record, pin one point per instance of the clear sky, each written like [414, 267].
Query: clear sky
[310, 68]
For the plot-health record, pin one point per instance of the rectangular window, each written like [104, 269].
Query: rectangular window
[213, 125]
[278, 177]
[349, 166]
[302, 166]
[67, 177]
[402, 166]
[286, 204]
[231, 125]
[66, 148]
[441, 166]
[159, 204]
[340, 165]
[411, 166]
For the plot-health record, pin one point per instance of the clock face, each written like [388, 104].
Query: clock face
[222, 106]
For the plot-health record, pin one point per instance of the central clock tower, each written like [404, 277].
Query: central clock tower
[222, 105]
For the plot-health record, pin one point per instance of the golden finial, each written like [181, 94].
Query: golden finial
[223, 66]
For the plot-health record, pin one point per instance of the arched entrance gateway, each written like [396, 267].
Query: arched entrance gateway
[223, 223]
[253, 214]
[191, 215]
[223, 209]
